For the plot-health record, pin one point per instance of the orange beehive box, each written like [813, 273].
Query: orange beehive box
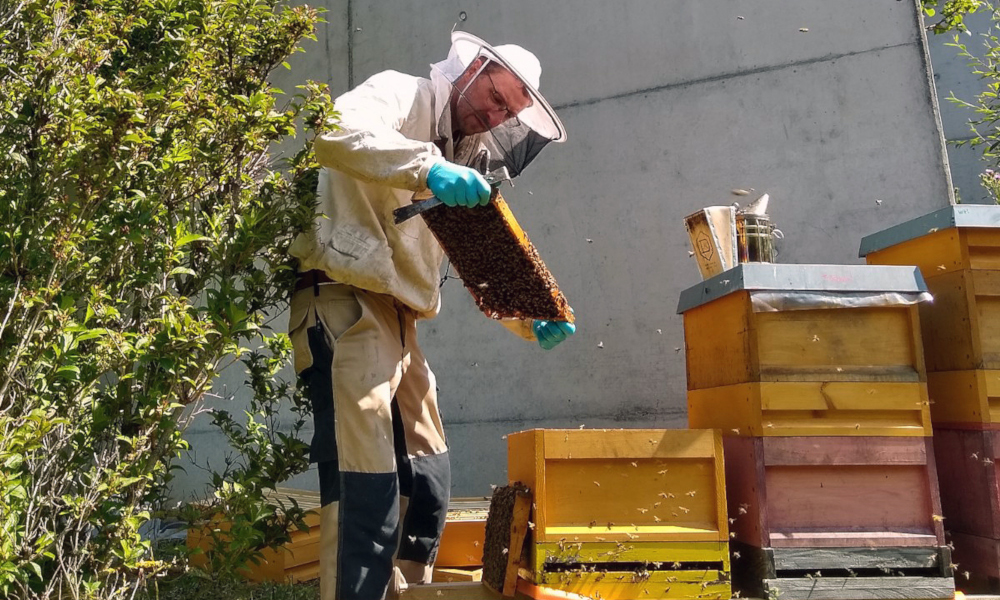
[788, 350]
[607, 500]
[958, 251]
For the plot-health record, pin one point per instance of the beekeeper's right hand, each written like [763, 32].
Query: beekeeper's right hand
[456, 185]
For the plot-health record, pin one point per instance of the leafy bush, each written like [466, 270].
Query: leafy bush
[984, 62]
[143, 228]
[950, 14]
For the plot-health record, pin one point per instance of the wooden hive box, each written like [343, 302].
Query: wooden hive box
[464, 533]
[970, 502]
[786, 350]
[958, 251]
[497, 263]
[836, 517]
[296, 561]
[625, 513]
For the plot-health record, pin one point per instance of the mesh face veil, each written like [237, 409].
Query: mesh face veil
[488, 98]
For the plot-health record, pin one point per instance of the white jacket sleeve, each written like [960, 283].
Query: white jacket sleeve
[369, 146]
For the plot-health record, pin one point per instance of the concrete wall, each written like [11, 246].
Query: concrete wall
[669, 106]
[953, 76]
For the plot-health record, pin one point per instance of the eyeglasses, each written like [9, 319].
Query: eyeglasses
[501, 104]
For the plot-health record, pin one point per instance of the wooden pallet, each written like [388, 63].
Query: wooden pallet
[843, 573]
[833, 492]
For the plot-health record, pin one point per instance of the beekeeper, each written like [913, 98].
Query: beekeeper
[364, 281]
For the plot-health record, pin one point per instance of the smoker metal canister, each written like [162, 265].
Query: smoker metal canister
[755, 238]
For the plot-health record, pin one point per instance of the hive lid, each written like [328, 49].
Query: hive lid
[969, 215]
[829, 279]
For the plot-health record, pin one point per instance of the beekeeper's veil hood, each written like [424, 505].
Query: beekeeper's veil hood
[516, 141]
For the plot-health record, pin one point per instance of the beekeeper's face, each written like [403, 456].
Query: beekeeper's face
[486, 95]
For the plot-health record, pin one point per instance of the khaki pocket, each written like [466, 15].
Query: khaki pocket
[337, 307]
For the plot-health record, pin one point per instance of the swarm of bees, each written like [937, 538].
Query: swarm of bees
[502, 269]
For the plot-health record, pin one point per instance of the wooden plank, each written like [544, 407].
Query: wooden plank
[935, 492]
[746, 493]
[870, 423]
[803, 340]
[792, 559]
[988, 316]
[870, 498]
[717, 342]
[721, 507]
[958, 396]
[978, 560]
[847, 395]
[966, 469]
[849, 539]
[936, 253]
[603, 552]
[446, 591]
[526, 465]
[792, 451]
[442, 575]
[518, 531]
[630, 585]
[733, 409]
[982, 248]
[462, 543]
[604, 444]
[948, 323]
[627, 533]
[652, 499]
[303, 573]
[859, 588]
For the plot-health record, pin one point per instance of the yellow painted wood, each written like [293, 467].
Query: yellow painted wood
[864, 343]
[983, 247]
[628, 444]
[628, 533]
[453, 575]
[601, 552]
[622, 485]
[717, 341]
[813, 408]
[971, 396]
[632, 586]
[936, 253]
[652, 497]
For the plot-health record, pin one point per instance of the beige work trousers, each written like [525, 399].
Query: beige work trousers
[372, 392]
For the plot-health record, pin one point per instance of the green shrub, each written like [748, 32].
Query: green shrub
[143, 227]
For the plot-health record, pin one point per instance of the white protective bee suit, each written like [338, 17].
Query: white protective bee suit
[379, 442]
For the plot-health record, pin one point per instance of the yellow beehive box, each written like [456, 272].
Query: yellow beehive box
[622, 485]
[958, 251]
[625, 513]
[787, 350]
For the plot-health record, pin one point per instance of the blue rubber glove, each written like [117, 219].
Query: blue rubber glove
[456, 185]
[550, 333]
